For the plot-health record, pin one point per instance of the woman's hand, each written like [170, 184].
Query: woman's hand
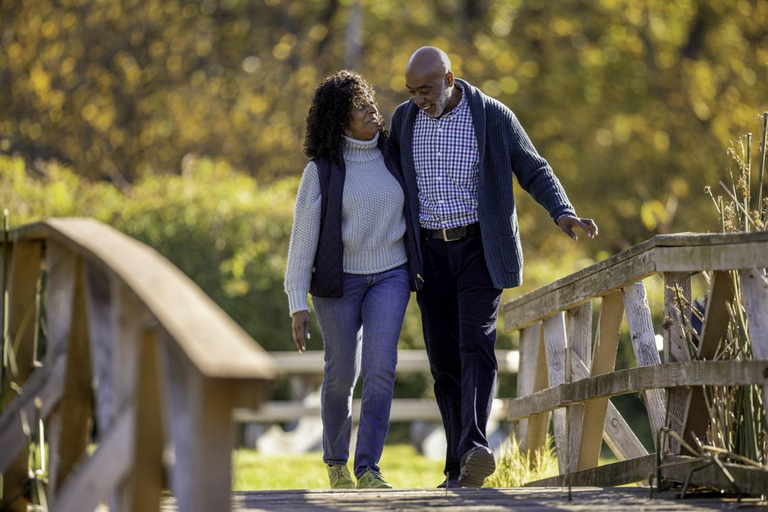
[300, 329]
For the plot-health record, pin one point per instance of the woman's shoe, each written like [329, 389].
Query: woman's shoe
[372, 480]
[339, 476]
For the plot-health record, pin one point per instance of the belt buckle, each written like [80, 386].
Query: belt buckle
[445, 236]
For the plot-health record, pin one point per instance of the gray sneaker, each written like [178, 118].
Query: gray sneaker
[476, 465]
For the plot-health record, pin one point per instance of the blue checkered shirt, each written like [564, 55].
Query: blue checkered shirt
[446, 160]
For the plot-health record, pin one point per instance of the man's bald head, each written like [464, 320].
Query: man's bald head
[428, 60]
[430, 81]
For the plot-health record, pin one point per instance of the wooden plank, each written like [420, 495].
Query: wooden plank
[106, 468]
[604, 359]
[521, 312]
[676, 346]
[635, 380]
[216, 344]
[533, 431]
[618, 473]
[714, 328]
[403, 409]
[69, 427]
[750, 480]
[312, 362]
[712, 257]
[754, 286]
[529, 350]
[129, 320]
[638, 262]
[579, 320]
[617, 433]
[142, 487]
[644, 345]
[62, 269]
[47, 384]
[22, 303]
[554, 342]
[198, 414]
[101, 335]
[24, 274]
[619, 437]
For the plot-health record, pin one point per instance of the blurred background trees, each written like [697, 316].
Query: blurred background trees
[181, 121]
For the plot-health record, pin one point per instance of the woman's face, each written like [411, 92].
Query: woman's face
[364, 122]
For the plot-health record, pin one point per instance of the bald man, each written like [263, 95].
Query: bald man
[459, 149]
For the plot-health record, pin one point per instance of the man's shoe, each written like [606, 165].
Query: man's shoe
[372, 479]
[476, 465]
[449, 484]
[339, 476]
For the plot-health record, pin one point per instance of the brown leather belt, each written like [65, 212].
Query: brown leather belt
[453, 234]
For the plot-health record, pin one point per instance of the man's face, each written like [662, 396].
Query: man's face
[430, 92]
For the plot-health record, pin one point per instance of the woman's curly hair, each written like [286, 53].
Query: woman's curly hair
[331, 109]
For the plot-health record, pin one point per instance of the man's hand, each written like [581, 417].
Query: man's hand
[300, 329]
[568, 222]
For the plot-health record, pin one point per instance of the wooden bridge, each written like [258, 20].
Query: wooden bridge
[169, 369]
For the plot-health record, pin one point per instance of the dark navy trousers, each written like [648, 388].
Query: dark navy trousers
[459, 306]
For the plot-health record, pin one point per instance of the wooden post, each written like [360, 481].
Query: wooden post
[198, 413]
[62, 269]
[554, 341]
[754, 286]
[25, 260]
[604, 359]
[714, 329]
[580, 342]
[532, 377]
[644, 345]
[675, 346]
[101, 334]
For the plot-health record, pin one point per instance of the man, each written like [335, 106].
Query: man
[458, 149]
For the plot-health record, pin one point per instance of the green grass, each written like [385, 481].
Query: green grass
[401, 465]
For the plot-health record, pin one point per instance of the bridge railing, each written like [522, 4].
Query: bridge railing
[564, 371]
[127, 334]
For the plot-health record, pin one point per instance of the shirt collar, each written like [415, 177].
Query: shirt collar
[453, 113]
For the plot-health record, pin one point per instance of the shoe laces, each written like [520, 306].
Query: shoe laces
[374, 473]
[338, 471]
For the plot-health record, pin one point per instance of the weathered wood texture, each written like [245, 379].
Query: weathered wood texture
[532, 432]
[527, 499]
[603, 362]
[109, 298]
[191, 318]
[681, 405]
[644, 345]
[635, 380]
[677, 319]
[695, 252]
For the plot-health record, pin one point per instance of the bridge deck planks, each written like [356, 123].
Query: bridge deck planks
[475, 500]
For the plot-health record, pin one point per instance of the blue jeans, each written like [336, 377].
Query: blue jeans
[360, 332]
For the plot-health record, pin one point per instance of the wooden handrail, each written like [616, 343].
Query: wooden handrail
[214, 342]
[164, 365]
[685, 252]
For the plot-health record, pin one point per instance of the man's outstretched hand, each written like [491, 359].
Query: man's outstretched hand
[568, 222]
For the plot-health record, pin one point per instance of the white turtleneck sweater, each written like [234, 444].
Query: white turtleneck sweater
[372, 220]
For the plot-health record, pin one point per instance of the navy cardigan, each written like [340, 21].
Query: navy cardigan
[504, 149]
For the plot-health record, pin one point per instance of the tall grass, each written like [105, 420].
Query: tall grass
[737, 429]
[515, 468]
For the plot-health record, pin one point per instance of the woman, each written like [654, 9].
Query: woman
[353, 248]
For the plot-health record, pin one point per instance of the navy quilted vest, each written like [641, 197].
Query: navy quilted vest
[329, 259]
